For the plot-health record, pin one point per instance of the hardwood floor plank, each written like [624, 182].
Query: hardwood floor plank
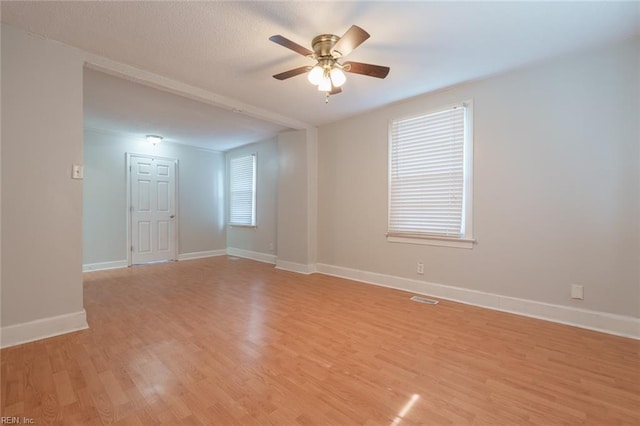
[113, 389]
[233, 341]
[64, 388]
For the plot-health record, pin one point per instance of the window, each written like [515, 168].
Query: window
[430, 182]
[242, 190]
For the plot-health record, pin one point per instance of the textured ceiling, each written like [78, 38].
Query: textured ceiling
[223, 47]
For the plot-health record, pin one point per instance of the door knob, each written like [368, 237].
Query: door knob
[172, 216]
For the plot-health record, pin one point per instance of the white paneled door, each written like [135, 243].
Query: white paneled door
[152, 209]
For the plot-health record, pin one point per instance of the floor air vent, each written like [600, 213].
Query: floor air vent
[424, 300]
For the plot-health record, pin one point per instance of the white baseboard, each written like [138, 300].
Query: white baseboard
[300, 268]
[202, 254]
[618, 325]
[123, 263]
[104, 265]
[253, 255]
[26, 332]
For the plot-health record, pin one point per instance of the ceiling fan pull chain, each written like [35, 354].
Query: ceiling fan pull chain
[326, 99]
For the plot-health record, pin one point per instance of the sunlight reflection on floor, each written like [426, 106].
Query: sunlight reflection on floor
[405, 409]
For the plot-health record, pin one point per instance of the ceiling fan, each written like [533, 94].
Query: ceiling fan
[328, 49]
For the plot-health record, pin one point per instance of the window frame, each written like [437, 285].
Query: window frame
[466, 240]
[254, 215]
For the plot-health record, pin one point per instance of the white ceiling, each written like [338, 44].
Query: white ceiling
[134, 110]
[223, 47]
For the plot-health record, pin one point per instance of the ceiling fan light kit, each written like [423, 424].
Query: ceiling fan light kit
[328, 74]
[325, 84]
[337, 76]
[316, 75]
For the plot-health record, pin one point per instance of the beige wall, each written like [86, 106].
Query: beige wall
[262, 238]
[200, 195]
[0, 181]
[286, 198]
[42, 205]
[556, 186]
[293, 198]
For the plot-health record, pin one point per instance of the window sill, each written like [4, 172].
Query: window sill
[434, 241]
[235, 225]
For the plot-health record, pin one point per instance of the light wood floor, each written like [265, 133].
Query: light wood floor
[223, 341]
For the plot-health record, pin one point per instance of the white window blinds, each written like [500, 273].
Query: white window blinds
[242, 190]
[427, 175]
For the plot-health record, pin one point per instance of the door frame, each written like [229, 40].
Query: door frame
[128, 156]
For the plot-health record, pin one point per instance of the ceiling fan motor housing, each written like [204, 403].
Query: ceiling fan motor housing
[322, 46]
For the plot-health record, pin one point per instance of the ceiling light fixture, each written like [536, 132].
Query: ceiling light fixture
[315, 75]
[337, 76]
[328, 74]
[325, 83]
[153, 139]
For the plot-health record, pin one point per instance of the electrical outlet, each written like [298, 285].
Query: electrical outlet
[420, 268]
[577, 291]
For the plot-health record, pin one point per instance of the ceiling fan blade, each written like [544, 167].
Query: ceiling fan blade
[291, 73]
[377, 71]
[285, 42]
[335, 90]
[353, 38]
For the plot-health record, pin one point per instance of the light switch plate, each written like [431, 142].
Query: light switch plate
[77, 172]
